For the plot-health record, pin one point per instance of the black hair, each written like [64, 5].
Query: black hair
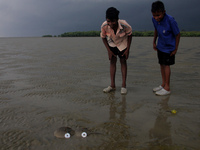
[157, 6]
[112, 13]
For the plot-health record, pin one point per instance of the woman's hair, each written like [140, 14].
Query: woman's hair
[157, 6]
[112, 13]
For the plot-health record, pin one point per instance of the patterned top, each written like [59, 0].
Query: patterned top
[119, 39]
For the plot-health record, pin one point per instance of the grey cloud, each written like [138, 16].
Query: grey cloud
[36, 18]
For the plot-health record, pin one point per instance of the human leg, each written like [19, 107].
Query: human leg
[165, 60]
[113, 62]
[110, 88]
[165, 72]
[167, 78]
[124, 71]
[162, 71]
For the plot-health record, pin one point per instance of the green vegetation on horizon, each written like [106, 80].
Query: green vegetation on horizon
[135, 33]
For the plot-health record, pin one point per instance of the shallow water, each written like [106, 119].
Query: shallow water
[48, 83]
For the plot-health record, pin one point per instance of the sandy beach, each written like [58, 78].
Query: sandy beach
[48, 83]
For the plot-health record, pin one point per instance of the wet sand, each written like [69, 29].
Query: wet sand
[48, 83]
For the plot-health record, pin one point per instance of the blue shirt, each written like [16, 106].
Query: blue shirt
[167, 30]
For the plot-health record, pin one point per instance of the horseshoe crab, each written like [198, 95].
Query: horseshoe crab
[67, 132]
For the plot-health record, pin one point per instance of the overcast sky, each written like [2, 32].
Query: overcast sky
[22, 18]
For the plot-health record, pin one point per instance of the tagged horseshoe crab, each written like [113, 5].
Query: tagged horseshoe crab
[67, 132]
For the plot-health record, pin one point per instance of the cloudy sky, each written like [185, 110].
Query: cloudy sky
[25, 18]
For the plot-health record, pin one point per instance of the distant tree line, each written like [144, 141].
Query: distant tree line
[135, 33]
[81, 34]
[190, 33]
[49, 35]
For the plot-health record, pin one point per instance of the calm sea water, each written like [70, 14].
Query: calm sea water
[48, 83]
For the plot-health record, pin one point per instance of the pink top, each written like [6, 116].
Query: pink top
[120, 39]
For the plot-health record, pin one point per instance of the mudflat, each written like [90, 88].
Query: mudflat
[48, 83]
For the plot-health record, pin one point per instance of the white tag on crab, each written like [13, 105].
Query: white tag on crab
[84, 134]
[67, 135]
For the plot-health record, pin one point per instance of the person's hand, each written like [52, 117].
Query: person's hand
[126, 54]
[173, 52]
[111, 54]
[154, 47]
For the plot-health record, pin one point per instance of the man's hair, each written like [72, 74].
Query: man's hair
[157, 6]
[112, 13]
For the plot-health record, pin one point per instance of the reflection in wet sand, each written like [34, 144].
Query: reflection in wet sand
[116, 130]
[160, 134]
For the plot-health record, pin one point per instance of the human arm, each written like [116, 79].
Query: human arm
[154, 39]
[129, 40]
[128, 33]
[177, 43]
[110, 53]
